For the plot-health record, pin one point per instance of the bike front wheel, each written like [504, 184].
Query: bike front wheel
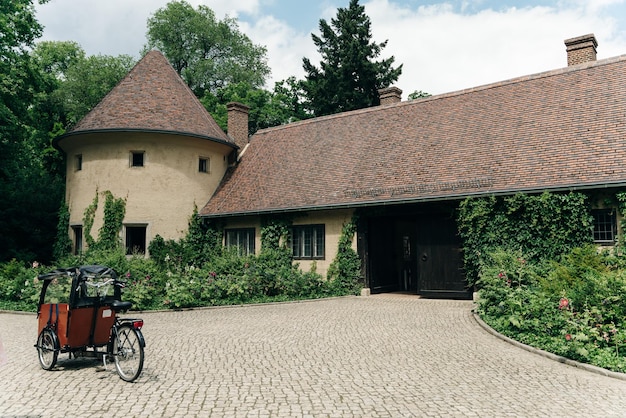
[47, 348]
[128, 353]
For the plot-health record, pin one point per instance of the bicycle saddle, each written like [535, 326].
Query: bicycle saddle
[118, 305]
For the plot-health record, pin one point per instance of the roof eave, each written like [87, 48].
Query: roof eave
[423, 199]
[55, 141]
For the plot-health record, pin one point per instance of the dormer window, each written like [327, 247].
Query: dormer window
[137, 158]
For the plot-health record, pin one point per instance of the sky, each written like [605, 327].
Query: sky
[444, 46]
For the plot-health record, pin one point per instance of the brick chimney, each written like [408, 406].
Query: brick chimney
[581, 49]
[238, 123]
[390, 95]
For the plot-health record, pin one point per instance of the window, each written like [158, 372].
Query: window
[79, 162]
[137, 158]
[135, 239]
[307, 241]
[78, 239]
[203, 165]
[604, 226]
[242, 239]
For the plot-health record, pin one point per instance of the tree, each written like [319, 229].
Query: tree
[418, 94]
[348, 77]
[267, 108]
[207, 53]
[89, 79]
[30, 200]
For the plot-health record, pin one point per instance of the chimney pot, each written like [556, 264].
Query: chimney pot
[581, 49]
[238, 123]
[390, 95]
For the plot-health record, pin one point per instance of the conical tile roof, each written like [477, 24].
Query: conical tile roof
[152, 97]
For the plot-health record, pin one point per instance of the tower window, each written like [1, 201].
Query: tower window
[203, 165]
[137, 158]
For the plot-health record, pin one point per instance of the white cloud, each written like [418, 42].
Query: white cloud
[442, 48]
[445, 51]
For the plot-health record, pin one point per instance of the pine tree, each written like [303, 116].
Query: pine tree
[348, 77]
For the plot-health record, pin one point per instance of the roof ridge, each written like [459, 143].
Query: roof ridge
[514, 80]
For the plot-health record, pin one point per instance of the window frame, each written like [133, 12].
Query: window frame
[308, 242]
[245, 245]
[608, 233]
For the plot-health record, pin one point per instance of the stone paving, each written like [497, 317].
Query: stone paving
[377, 356]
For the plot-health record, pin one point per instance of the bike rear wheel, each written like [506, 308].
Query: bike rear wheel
[47, 348]
[128, 353]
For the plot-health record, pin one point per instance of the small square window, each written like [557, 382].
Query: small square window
[135, 239]
[137, 159]
[79, 162]
[203, 165]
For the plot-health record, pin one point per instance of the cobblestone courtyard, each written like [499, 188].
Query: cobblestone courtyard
[378, 356]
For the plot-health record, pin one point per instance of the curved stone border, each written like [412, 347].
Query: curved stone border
[551, 356]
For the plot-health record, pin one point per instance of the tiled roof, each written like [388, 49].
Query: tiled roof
[558, 129]
[152, 97]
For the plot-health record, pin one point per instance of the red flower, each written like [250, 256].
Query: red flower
[568, 337]
[563, 303]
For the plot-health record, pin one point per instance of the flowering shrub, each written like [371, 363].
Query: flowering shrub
[574, 307]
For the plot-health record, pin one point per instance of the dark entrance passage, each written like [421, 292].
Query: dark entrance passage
[416, 253]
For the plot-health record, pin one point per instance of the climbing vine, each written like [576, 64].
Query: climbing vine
[62, 244]
[273, 231]
[114, 212]
[88, 218]
[540, 226]
[345, 269]
[108, 235]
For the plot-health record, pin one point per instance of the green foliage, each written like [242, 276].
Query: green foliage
[274, 233]
[208, 53]
[108, 235]
[348, 77]
[344, 273]
[89, 216]
[541, 226]
[575, 308]
[267, 108]
[63, 244]
[202, 243]
[30, 196]
[418, 94]
[114, 211]
[87, 80]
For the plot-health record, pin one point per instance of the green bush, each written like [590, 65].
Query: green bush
[575, 308]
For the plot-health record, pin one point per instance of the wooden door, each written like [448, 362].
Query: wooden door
[439, 259]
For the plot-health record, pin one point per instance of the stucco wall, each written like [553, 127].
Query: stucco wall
[160, 195]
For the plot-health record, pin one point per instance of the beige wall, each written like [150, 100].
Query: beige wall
[333, 223]
[161, 194]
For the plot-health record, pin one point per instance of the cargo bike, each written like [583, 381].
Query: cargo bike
[78, 313]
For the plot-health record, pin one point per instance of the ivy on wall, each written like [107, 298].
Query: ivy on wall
[540, 226]
[88, 218]
[108, 235]
[62, 244]
[275, 232]
[345, 269]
